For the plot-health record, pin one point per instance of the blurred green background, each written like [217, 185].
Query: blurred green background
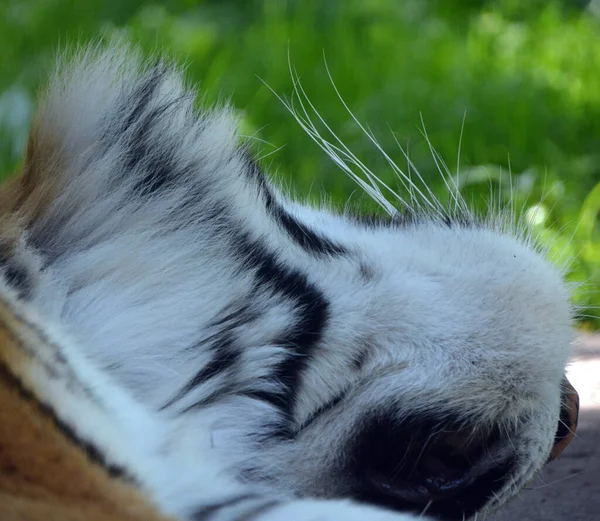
[523, 76]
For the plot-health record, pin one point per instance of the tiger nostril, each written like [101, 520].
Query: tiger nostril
[452, 472]
[437, 476]
[567, 423]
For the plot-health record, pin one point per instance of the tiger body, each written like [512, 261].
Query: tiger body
[241, 356]
[48, 472]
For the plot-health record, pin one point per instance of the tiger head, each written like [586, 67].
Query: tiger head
[414, 361]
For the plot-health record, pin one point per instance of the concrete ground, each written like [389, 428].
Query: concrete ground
[569, 488]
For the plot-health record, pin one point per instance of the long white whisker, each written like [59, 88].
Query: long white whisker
[308, 126]
[460, 138]
[374, 180]
[439, 209]
[392, 164]
[300, 94]
[260, 158]
[442, 168]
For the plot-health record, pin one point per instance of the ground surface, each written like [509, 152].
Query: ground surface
[569, 488]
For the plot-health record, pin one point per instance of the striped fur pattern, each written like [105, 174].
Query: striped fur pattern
[51, 421]
[263, 359]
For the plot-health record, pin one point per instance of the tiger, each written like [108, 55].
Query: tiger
[181, 339]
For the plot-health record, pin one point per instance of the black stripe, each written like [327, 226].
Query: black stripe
[58, 361]
[275, 281]
[360, 358]
[224, 357]
[127, 113]
[254, 513]
[322, 410]
[207, 511]
[16, 274]
[311, 313]
[384, 220]
[303, 236]
[155, 170]
[140, 99]
[367, 273]
[93, 453]
[460, 221]
[153, 161]
[234, 316]
[225, 352]
[226, 389]
[19, 278]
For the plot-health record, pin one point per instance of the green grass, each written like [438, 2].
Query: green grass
[525, 81]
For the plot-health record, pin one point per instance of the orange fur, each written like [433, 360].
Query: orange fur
[45, 475]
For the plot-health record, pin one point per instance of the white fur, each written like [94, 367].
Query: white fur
[471, 318]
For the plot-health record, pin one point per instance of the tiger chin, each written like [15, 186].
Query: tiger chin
[243, 356]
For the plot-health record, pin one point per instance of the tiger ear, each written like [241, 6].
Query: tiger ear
[76, 112]
[72, 110]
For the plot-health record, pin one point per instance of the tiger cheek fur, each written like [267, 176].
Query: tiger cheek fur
[264, 359]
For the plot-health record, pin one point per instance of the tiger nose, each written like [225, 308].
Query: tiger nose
[567, 424]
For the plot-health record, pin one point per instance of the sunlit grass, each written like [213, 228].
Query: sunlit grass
[523, 76]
